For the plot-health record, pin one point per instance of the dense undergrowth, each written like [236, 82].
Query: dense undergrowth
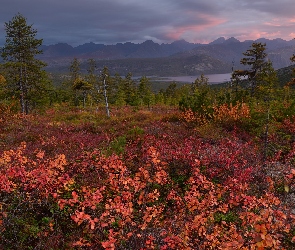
[146, 179]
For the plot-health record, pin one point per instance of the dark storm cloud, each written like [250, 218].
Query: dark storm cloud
[111, 21]
[282, 8]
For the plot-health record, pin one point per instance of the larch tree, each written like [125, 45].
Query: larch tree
[83, 84]
[24, 73]
[2, 79]
[76, 82]
[2, 86]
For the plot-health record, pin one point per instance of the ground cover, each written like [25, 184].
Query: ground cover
[143, 179]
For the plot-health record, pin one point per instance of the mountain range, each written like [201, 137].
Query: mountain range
[174, 59]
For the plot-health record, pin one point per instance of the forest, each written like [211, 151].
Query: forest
[101, 161]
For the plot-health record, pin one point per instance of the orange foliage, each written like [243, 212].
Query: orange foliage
[110, 204]
[221, 113]
[228, 113]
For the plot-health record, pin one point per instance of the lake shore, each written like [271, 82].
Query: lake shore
[213, 78]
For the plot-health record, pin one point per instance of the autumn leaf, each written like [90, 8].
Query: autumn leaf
[40, 154]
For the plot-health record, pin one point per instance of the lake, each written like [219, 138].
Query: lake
[213, 78]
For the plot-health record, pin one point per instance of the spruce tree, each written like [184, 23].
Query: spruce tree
[75, 69]
[130, 90]
[24, 73]
[145, 91]
[256, 59]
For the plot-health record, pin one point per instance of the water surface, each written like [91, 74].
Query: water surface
[213, 78]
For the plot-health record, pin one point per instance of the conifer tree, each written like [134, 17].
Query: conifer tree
[256, 59]
[24, 73]
[199, 98]
[91, 75]
[118, 97]
[170, 93]
[76, 80]
[83, 86]
[293, 71]
[145, 92]
[75, 69]
[268, 81]
[130, 90]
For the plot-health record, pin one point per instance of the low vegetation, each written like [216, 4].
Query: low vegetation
[189, 167]
[145, 179]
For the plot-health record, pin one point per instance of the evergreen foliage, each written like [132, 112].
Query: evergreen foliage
[256, 60]
[24, 73]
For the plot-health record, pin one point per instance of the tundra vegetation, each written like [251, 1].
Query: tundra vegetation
[190, 167]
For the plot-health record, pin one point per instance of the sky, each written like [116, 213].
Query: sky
[118, 21]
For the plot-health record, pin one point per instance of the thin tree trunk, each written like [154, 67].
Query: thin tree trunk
[26, 101]
[84, 98]
[21, 87]
[105, 96]
[266, 134]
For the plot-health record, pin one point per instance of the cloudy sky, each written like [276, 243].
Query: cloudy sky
[163, 21]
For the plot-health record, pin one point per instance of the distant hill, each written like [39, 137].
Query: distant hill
[177, 58]
[231, 51]
[285, 74]
[165, 66]
[147, 49]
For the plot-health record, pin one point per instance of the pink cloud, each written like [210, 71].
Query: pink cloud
[202, 23]
[283, 22]
[259, 34]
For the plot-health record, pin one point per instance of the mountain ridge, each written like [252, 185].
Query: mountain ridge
[227, 52]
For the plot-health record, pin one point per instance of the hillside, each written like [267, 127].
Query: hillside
[166, 66]
[231, 51]
[75, 179]
[285, 74]
[175, 59]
